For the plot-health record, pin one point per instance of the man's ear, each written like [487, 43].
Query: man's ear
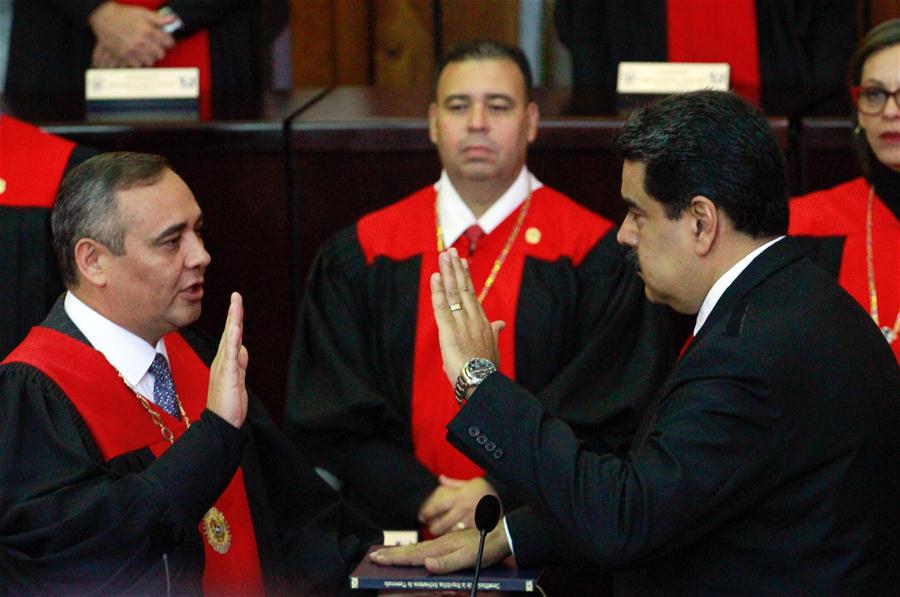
[90, 258]
[533, 117]
[705, 222]
[432, 122]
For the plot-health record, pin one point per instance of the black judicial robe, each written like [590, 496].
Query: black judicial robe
[831, 227]
[72, 523]
[578, 327]
[803, 44]
[51, 43]
[32, 164]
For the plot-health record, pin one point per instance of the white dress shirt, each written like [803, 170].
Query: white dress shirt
[724, 281]
[455, 216]
[128, 353]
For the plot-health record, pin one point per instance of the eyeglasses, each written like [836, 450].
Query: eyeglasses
[871, 100]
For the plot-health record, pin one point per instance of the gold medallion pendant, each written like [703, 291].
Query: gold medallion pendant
[216, 530]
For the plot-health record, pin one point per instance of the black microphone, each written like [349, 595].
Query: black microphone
[487, 515]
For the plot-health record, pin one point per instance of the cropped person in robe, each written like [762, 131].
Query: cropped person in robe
[367, 394]
[856, 225]
[771, 46]
[129, 463]
[769, 463]
[52, 43]
[32, 164]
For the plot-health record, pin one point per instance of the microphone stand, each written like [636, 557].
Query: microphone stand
[483, 533]
[487, 515]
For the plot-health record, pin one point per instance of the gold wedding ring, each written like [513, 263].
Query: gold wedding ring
[455, 307]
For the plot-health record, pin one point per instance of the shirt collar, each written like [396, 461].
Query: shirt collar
[455, 216]
[127, 352]
[722, 284]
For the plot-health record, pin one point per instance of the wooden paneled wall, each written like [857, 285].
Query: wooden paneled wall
[388, 42]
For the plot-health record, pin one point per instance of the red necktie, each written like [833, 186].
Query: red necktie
[474, 234]
[685, 347]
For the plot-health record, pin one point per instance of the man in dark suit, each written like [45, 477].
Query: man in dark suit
[768, 463]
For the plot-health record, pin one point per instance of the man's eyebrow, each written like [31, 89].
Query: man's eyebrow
[174, 228]
[500, 96]
[456, 98]
[630, 203]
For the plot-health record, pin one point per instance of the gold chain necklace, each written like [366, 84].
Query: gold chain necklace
[501, 258]
[890, 334]
[214, 525]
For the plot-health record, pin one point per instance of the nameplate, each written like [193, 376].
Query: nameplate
[141, 83]
[400, 537]
[671, 77]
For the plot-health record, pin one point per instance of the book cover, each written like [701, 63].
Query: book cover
[369, 575]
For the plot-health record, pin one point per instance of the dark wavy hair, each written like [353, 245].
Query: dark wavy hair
[715, 144]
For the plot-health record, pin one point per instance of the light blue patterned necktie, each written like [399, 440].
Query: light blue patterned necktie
[163, 385]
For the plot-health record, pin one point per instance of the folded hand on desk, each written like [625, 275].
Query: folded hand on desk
[449, 553]
[453, 504]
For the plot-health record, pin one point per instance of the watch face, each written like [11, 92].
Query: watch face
[478, 369]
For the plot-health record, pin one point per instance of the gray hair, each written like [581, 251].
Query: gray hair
[86, 205]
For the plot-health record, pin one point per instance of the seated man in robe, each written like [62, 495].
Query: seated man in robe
[32, 164]
[129, 463]
[367, 393]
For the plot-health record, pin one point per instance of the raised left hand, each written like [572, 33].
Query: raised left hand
[452, 552]
[463, 329]
[452, 505]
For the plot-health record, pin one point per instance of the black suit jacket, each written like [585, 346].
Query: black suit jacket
[768, 464]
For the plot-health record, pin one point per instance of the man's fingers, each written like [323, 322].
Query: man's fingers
[459, 559]
[437, 503]
[448, 278]
[414, 555]
[446, 522]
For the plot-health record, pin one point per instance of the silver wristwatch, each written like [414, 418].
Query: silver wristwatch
[473, 373]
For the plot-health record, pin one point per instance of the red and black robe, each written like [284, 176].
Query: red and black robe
[368, 398]
[95, 501]
[772, 46]
[32, 164]
[832, 227]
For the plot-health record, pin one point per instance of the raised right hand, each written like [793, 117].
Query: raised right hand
[227, 394]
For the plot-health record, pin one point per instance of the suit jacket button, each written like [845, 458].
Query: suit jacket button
[481, 439]
[490, 446]
[498, 453]
[474, 431]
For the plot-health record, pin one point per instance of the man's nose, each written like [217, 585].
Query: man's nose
[477, 117]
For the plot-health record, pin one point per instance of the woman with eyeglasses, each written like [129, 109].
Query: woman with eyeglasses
[858, 222]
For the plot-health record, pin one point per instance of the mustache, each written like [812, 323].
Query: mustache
[631, 257]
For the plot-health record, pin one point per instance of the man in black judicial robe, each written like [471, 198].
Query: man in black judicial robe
[33, 164]
[366, 389]
[803, 46]
[52, 42]
[768, 463]
[74, 520]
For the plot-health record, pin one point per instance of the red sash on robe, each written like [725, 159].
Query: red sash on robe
[841, 211]
[193, 50]
[717, 31]
[408, 229]
[120, 424]
[32, 164]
